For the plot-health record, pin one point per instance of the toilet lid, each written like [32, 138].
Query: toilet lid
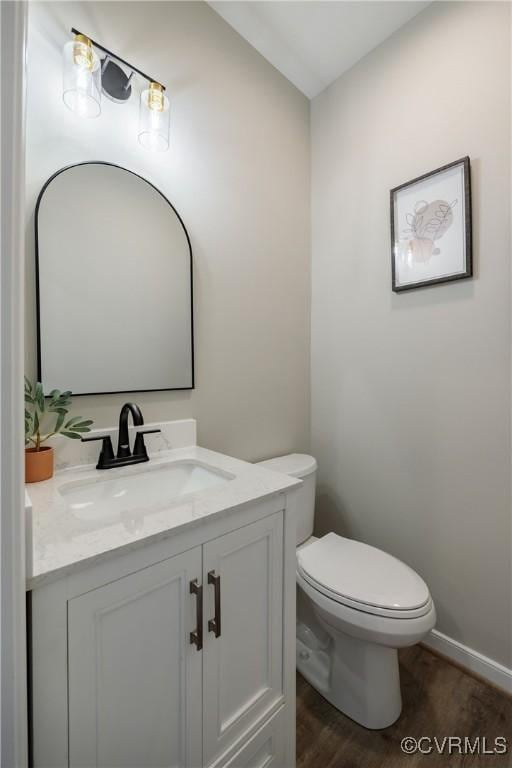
[294, 464]
[361, 574]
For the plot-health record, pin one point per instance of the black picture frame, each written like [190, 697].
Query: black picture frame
[37, 280]
[464, 162]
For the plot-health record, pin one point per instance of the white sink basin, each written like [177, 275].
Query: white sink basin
[115, 493]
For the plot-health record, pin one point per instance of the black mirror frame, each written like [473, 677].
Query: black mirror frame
[38, 315]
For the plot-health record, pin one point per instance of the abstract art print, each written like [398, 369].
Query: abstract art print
[431, 228]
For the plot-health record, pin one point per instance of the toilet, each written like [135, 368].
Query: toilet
[356, 605]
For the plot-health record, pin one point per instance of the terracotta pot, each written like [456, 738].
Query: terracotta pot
[38, 464]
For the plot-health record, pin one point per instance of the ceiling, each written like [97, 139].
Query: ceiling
[312, 43]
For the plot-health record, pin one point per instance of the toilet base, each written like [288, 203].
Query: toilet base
[359, 678]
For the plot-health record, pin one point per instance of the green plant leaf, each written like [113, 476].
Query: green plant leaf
[29, 398]
[64, 411]
[58, 399]
[60, 403]
[71, 435]
[28, 385]
[55, 399]
[74, 420]
[83, 424]
[36, 423]
[60, 420]
[39, 397]
[28, 425]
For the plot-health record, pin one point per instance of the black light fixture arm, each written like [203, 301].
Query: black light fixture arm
[114, 56]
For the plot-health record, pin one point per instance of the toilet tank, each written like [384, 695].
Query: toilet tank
[304, 467]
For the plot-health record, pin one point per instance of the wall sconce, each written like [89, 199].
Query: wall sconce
[82, 77]
[86, 77]
[154, 118]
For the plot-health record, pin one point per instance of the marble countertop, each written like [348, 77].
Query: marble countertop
[62, 543]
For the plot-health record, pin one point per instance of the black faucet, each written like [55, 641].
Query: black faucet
[123, 445]
[124, 457]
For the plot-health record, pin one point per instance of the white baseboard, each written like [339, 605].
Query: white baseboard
[475, 662]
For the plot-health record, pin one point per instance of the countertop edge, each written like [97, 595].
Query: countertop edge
[58, 573]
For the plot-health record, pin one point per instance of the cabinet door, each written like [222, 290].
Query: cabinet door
[242, 668]
[134, 678]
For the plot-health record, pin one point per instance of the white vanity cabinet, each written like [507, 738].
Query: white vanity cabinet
[173, 655]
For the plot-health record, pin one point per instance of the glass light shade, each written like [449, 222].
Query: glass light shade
[154, 118]
[82, 78]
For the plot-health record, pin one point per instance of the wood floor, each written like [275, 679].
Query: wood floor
[439, 700]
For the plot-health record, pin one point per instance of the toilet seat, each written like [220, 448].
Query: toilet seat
[363, 578]
[386, 630]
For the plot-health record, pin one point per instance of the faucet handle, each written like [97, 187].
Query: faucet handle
[107, 452]
[139, 447]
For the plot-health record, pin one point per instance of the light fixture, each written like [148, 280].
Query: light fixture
[86, 77]
[154, 118]
[82, 77]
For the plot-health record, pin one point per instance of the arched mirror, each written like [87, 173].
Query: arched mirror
[114, 284]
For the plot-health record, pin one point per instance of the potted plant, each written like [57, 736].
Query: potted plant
[38, 412]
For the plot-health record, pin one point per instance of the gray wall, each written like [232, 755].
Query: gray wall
[237, 172]
[411, 392]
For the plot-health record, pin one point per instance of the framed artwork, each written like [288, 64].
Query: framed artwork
[431, 228]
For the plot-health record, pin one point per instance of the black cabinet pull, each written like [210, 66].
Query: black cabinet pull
[196, 637]
[214, 624]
